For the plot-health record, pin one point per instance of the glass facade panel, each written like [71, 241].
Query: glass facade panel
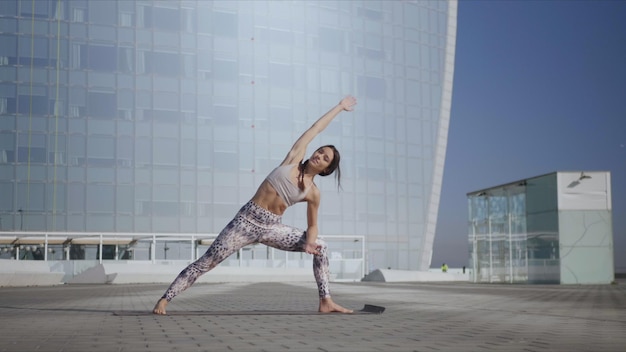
[543, 230]
[498, 235]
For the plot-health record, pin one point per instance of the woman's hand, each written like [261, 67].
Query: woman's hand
[348, 103]
[312, 248]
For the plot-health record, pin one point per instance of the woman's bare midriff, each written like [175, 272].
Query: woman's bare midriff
[266, 197]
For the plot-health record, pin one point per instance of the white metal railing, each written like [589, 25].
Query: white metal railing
[346, 253]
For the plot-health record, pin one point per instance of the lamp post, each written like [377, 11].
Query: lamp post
[21, 218]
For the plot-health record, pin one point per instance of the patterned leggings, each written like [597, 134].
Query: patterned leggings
[253, 224]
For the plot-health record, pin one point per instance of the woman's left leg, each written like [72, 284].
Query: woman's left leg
[291, 239]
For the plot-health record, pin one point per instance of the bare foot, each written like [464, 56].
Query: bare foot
[328, 306]
[159, 308]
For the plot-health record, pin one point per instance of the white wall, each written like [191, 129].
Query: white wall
[42, 273]
[585, 228]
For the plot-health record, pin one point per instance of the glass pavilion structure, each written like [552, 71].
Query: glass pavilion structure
[550, 229]
[135, 116]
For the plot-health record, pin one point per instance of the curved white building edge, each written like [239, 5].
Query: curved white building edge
[442, 138]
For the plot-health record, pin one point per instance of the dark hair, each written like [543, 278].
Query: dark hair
[333, 167]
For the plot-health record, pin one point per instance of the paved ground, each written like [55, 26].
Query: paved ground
[419, 317]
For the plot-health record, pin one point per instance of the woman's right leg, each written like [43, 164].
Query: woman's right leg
[237, 234]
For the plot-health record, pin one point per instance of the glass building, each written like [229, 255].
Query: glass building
[553, 229]
[140, 116]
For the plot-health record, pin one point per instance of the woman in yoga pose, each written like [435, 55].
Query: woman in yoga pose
[259, 220]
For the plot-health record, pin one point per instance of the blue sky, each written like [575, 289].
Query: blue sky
[539, 86]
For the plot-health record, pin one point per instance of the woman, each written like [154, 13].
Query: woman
[259, 220]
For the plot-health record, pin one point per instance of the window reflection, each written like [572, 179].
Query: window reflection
[167, 64]
[100, 198]
[161, 18]
[224, 24]
[331, 39]
[102, 105]
[166, 151]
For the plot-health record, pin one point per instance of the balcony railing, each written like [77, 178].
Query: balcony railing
[346, 253]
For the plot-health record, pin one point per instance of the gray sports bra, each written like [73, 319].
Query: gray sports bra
[279, 179]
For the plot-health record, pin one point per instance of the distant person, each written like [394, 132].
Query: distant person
[38, 254]
[259, 220]
[444, 268]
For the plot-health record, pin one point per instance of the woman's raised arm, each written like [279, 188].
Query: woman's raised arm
[298, 150]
